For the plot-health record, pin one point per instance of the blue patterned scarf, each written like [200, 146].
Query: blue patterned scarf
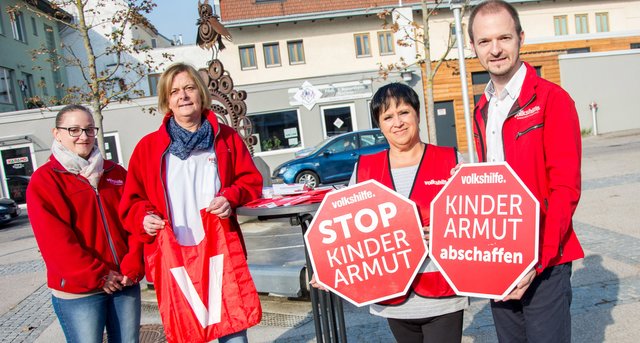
[183, 142]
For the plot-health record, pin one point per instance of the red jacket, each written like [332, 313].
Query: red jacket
[435, 165]
[542, 143]
[79, 233]
[145, 190]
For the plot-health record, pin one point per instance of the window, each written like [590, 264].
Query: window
[371, 139]
[343, 144]
[296, 52]
[560, 25]
[34, 26]
[602, 22]
[337, 119]
[154, 43]
[452, 36]
[5, 86]
[17, 26]
[271, 54]
[248, 57]
[276, 130]
[578, 50]
[43, 84]
[634, 46]
[385, 43]
[363, 48]
[112, 146]
[153, 84]
[1, 25]
[26, 87]
[479, 81]
[582, 23]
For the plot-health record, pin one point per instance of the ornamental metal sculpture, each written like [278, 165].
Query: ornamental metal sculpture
[227, 103]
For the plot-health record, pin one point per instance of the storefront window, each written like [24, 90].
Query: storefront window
[276, 130]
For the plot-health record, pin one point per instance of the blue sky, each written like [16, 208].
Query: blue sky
[173, 17]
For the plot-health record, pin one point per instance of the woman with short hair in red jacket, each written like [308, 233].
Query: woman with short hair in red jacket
[93, 263]
[185, 181]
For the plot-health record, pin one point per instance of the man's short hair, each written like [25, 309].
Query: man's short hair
[493, 6]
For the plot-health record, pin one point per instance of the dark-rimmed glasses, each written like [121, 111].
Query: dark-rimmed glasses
[77, 131]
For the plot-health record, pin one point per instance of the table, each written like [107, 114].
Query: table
[328, 315]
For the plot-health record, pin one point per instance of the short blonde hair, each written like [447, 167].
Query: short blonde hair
[166, 79]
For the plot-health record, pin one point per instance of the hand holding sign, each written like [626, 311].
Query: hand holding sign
[366, 243]
[485, 222]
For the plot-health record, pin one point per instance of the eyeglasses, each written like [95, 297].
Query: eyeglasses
[77, 131]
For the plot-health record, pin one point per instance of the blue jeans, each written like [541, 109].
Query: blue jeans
[238, 337]
[83, 320]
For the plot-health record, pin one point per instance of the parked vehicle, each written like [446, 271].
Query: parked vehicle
[9, 210]
[332, 160]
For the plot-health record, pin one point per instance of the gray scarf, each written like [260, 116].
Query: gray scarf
[91, 168]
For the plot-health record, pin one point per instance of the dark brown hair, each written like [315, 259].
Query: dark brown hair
[71, 108]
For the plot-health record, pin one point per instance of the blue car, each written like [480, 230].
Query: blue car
[332, 160]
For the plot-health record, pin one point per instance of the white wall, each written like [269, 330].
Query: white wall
[612, 80]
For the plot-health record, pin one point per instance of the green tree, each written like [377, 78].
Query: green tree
[104, 29]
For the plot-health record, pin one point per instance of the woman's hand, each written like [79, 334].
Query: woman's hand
[456, 168]
[152, 223]
[126, 281]
[427, 233]
[315, 284]
[220, 206]
[112, 282]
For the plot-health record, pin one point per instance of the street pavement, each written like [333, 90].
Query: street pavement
[606, 284]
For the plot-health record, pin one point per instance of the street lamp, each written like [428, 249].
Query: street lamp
[456, 7]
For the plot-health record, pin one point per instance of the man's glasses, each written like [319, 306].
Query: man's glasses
[77, 131]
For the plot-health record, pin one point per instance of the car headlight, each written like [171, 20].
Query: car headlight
[3, 208]
[281, 170]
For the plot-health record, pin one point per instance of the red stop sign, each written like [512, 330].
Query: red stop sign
[484, 230]
[365, 243]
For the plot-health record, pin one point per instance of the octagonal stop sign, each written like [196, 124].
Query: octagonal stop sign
[484, 230]
[366, 243]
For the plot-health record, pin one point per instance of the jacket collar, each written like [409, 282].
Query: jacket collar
[58, 167]
[207, 113]
[527, 91]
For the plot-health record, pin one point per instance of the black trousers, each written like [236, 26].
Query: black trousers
[446, 328]
[542, 315]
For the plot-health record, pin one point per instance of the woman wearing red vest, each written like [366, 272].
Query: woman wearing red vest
[430, 311]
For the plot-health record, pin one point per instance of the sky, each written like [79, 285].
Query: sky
[173, 17]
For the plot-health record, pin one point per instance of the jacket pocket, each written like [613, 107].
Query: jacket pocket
[529, 129]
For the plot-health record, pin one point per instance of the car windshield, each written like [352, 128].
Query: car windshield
[314, 149]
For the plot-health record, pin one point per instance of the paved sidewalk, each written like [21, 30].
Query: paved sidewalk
[606, 284]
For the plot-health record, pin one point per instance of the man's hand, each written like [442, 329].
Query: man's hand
[522, 287]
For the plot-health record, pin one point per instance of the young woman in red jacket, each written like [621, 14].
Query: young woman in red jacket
[93, 264]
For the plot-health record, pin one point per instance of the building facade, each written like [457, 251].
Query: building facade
[23, 78]
[310, 68]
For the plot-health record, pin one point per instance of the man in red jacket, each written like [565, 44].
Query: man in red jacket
[533, 125]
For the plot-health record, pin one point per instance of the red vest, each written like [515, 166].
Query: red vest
[204, 291]
[434, 170]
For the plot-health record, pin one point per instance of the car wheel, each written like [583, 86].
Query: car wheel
[309, 178]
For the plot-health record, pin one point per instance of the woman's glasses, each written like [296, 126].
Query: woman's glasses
[77, 131]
